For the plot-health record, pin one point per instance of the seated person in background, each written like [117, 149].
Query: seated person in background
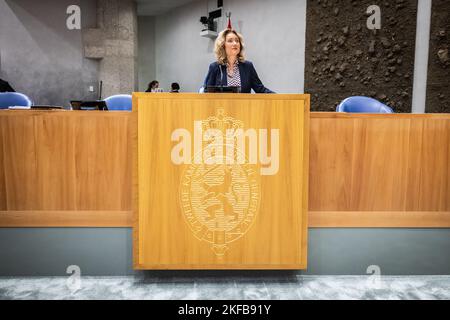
[175, 87]
[5, 87]
[153, 87]
[231, 69]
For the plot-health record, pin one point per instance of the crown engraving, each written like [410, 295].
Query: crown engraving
[222, 122]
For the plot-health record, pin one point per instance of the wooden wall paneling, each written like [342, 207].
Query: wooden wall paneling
[365, 170]
[19, 160]
[379, 171]
[61, 163]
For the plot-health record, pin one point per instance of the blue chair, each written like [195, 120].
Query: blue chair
[363, 105]
[120, 102]
[10, 99]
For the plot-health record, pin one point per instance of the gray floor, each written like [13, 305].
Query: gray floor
[292, 287]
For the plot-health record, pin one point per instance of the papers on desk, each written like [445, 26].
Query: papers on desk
[19, 108]
[41, 107]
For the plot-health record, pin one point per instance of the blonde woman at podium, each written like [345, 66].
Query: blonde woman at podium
[231, 70]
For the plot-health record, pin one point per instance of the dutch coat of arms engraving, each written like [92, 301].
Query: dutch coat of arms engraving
[220, 196]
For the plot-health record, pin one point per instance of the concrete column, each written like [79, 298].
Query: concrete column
[114, 43]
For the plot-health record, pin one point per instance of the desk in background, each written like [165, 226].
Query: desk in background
[67, 169]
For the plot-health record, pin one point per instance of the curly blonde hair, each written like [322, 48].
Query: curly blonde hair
[219, 47]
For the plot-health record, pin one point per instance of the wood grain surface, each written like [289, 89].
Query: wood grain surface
[275, 238]
[371, 163]
[365, 170]
[66, 163]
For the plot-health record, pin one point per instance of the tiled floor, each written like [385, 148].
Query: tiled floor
[228, 288]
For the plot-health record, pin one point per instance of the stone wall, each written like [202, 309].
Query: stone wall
[344, 58]
[438, 89]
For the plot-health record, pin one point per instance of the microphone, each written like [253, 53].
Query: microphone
[100, 89]
[221, 75]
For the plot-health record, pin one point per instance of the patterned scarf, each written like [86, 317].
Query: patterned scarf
[235, 79]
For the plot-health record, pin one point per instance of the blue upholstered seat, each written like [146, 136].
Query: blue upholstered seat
[363, 105]
[120, 102]
[11, 99]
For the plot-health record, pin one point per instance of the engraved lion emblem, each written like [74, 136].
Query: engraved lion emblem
[220, 201]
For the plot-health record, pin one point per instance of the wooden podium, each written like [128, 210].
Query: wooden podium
[220, 181]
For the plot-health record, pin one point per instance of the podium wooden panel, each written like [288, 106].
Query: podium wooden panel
[213, 211]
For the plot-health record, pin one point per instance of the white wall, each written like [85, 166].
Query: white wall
[421, 60]
[274, 33]
[40, 57]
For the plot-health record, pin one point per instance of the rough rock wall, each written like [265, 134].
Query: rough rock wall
[438, 89]
[344, 58]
